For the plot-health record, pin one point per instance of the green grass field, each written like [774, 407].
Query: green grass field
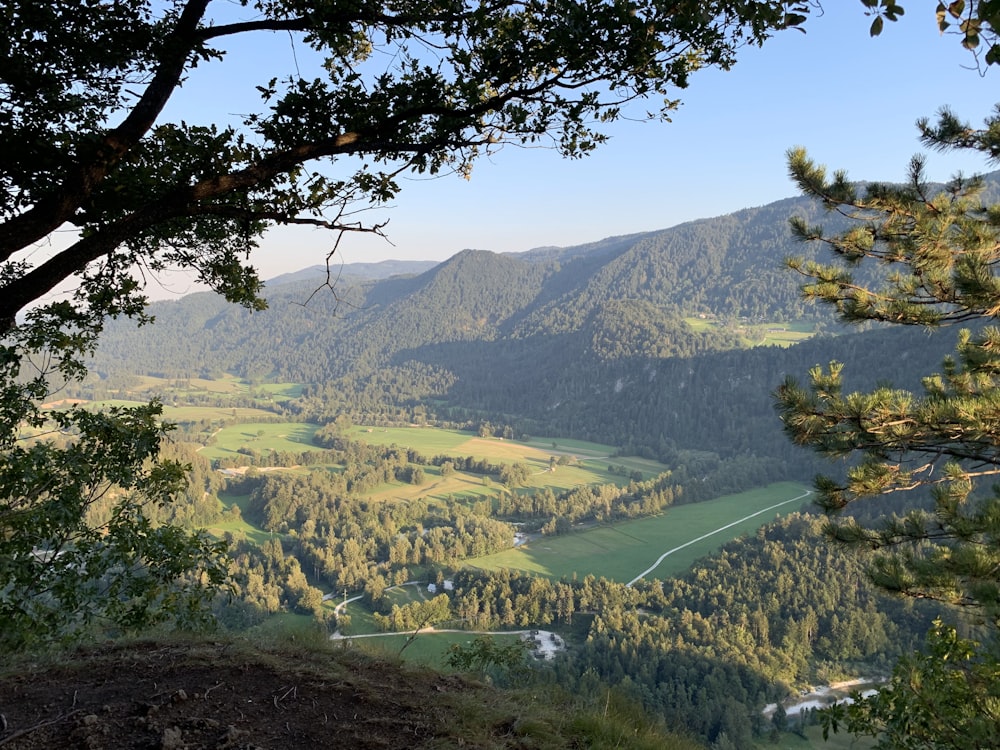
[761, 334]
[181, 388]
[814, 741]
[239, 527]
[622, 551]
[432, 441]
[212, 413]
[262, 437]
[780, 334]
[472, 486]
[173, 413]
[590, 468]
[427, 440]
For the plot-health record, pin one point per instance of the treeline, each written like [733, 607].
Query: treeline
[196, 507]
[265, 580]
[602, 503]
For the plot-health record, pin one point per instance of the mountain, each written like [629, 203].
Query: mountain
[381, 270]
[632, 289]
[591, 341]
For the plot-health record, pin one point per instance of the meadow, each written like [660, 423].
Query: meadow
[623, 550]
[425, 648]
[813, 740]
[179, 412]
[761, 334]
[225, 385]
[294, 437]
[433, 441]
[429, 648]
[589, 467]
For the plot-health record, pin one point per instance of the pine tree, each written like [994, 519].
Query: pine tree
[920, 255]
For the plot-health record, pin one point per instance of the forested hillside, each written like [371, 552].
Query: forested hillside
[633, 290]
[595, 341]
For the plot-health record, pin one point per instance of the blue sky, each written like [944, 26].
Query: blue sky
[850, 99]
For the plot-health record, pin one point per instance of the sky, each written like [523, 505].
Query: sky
[850, 99]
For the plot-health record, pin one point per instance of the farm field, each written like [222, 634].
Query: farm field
[762, 334]
[434, 440]
[296, 437]
[179, 413]
[292, 437]
[590, 468]
[779, 334]
[814, 741]
[226, 385]
[473, 486]
[427, 648]
[624, 550]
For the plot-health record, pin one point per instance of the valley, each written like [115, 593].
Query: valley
[585, 445]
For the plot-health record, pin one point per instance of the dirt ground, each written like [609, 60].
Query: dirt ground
[208, 695]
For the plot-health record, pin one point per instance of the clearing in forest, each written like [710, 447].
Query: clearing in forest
[622, 551]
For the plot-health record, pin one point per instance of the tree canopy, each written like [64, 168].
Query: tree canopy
[936, 250]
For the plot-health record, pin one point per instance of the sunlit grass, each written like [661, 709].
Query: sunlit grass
[623, 550]
[759, 334]
[292, 437]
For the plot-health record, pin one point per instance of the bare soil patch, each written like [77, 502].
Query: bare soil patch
[222, 695]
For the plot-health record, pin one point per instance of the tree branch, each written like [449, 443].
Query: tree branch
[48, 214]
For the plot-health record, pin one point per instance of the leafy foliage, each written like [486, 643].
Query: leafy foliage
[62, 568]
[946, 697]
[485, 655]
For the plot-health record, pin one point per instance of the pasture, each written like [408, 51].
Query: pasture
[181, 388]
[293, 437]
[623, 550]
[474, 486]
[759, 334]
[432, 441]
[590, 468]
[429, 441]
[426, 648]
[779, 334]
[239, 527]
[182, 413]
[213, 413]
[814, 740]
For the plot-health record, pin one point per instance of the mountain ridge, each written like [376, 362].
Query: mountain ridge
[592, 340]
